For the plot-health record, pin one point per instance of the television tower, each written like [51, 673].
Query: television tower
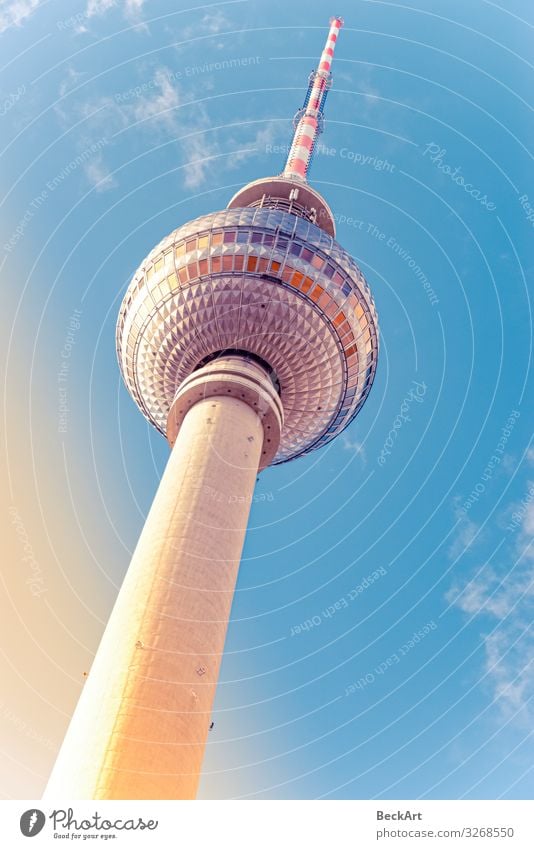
[248, 337]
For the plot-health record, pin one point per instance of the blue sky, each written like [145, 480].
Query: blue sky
[122, 120]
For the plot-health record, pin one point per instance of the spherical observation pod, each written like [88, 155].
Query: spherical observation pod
[262, 281]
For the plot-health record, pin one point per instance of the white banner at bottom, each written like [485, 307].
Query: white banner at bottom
[270, 824]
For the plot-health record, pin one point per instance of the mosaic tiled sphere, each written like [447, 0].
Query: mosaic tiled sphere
[263, 281]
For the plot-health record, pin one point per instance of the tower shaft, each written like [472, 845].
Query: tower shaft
[140, 727]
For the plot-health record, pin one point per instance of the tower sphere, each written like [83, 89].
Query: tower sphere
[263, 281]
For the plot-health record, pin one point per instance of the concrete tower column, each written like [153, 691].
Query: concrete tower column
[141, 723]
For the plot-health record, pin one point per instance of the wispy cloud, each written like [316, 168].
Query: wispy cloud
[14, 12]
[466, 533]
[98, 120]
[131, 9]
[355, 447]
[158, 107]
[206, 154]
[162, 111]
[98, 174]
[211, 23]
[503, 597]
[507, 602]
[528, 520]
[71, 80]
[99, 7]
[158, 112]
[359, 80]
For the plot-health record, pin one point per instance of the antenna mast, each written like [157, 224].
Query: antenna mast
[309, 119]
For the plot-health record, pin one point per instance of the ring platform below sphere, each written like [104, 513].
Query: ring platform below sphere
[258, 280]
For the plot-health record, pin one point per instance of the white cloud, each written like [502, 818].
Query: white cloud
[528, 520]
[98, 120]
[466, 533]
[508, 464]
[509, 663]
[130, 8]
[159, 106]
[240, 145]
[70, 81]
[504, 598]
[14, 12]
[508, 605]
[211, 23]
[488, 593]
[197, 169]
[99, 7]
[99, 175]
[243, 148]
[355, 447]
[133, 7]
[159, 109]
[365, 87]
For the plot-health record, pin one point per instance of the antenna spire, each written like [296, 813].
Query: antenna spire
[309, 119]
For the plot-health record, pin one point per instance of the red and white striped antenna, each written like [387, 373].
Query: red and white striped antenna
[309, 119]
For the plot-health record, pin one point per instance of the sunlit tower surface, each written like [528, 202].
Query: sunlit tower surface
[248, 337]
